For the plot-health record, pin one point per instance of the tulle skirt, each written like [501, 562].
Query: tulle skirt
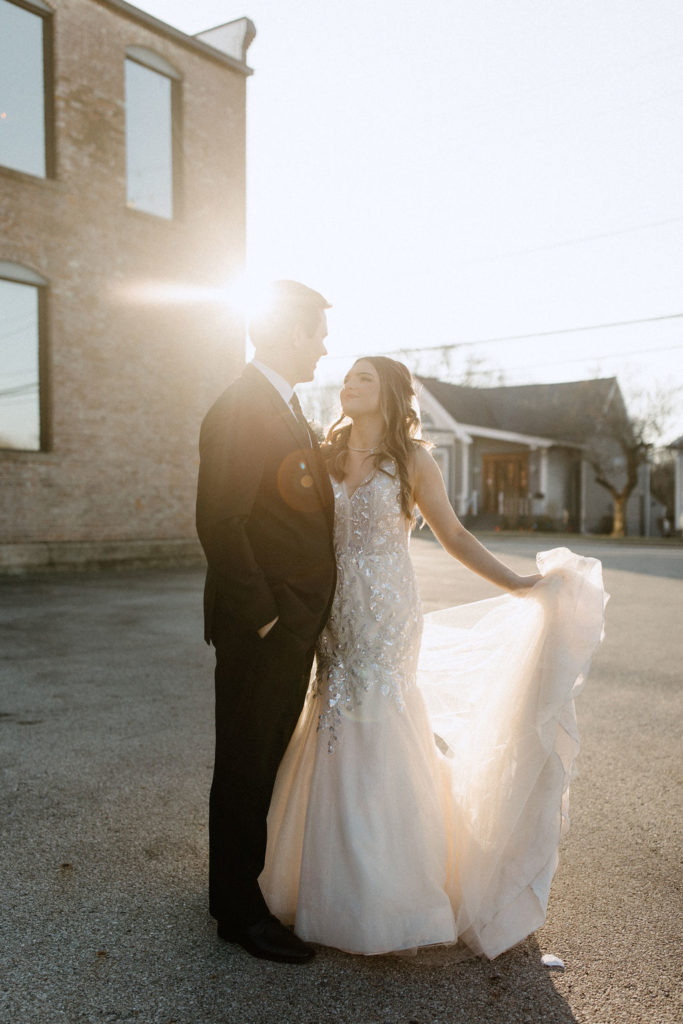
[440, 819]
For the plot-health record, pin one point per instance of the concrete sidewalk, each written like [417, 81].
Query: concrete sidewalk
[106, 719]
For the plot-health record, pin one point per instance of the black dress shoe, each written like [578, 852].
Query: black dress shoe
[268, 939]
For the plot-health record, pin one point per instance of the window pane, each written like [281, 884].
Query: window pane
[22, 90]
[19, 396]
[149, 140]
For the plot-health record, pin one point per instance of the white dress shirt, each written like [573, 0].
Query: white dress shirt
[283, 387]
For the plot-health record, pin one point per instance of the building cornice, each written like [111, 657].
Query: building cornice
[529, 439]
[161, 27]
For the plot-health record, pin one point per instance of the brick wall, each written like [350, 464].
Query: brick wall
[129, 380]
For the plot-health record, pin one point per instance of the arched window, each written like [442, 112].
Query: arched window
[153, 129]
[26, 91]
[23, 390]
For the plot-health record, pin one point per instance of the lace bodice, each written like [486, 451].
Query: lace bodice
[370, 644]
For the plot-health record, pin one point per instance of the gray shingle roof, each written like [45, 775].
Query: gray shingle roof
[567, 411]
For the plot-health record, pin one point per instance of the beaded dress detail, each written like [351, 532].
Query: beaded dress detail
[372, 637]
[412, 811]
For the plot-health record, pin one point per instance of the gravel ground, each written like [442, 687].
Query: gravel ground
[106, 721]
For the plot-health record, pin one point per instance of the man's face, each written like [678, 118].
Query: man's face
[307, 349]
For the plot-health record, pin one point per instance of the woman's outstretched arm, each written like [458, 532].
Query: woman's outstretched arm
[431, 498]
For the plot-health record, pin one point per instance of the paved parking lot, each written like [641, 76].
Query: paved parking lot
[106, 725]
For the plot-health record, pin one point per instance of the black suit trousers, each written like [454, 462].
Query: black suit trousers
[260, 690]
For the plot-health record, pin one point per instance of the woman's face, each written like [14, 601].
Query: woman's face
[360, 394]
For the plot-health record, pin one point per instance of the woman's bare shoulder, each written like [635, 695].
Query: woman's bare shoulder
[421, 463]
[422, 458]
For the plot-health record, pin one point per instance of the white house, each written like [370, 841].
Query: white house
[517, 456]
[677, 448]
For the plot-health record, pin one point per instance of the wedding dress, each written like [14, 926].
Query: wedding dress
[424, 792]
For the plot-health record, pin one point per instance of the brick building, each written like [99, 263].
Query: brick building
[122, 166]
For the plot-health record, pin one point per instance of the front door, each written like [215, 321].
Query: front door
[506, 484]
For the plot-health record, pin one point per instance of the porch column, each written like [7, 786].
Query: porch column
[543, 477]
[464, 497]
[582, 495]
[647, 501]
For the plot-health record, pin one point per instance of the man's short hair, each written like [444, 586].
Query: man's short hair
[287, 305]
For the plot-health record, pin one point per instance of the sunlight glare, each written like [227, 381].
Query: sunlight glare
[242, 295]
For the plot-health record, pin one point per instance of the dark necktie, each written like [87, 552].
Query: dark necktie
[295, 406]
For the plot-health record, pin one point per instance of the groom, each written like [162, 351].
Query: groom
[264, 517]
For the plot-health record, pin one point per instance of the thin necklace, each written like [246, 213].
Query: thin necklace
[362, 449]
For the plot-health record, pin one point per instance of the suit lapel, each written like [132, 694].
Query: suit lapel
[280, 407]
[305, 441]
[322, 483]
[289, 420]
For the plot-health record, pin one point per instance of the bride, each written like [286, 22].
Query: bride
[424, 792]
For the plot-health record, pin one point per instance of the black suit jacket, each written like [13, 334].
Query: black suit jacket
[265, 513]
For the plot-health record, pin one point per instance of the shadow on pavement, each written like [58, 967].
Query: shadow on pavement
[107, 743]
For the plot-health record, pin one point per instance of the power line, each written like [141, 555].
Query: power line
[570, 242]
[506, 371]
[608, 355]
[21, 389]
[523, 337]
[560, 83]
[612, 109]
[547, 334]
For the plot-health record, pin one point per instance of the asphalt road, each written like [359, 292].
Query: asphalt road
[105, 719]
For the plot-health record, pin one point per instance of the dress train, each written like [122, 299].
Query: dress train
[413, 809]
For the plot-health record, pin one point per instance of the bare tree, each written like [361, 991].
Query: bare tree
[449, 365]
[623, 443]
[321, 404]
[478, 372]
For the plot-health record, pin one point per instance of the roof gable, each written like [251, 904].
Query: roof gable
[567, 411]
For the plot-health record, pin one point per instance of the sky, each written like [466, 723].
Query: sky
[483, 174]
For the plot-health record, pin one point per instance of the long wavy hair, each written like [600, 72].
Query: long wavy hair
[398, 405]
